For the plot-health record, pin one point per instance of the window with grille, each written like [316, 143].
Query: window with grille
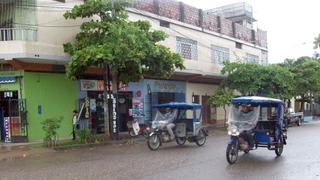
[219, 54]
[187, 48]
[252, 58]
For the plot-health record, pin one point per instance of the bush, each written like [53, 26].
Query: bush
[84, 135]
[50, 127]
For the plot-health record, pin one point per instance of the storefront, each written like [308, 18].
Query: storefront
[148, 92]
[13, 120]
[91, 106]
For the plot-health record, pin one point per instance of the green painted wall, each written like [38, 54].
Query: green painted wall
[56, 95]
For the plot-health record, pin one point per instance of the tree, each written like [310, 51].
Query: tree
[130, 49]
[316, 43]
[221, 98]
[306, 72]
[254, 79]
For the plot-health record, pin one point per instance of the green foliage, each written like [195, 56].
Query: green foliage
[254, 79]
[306, 72]
[84, 135]
[50, 127]
[316, 42]
[130, 48]
[221, 97]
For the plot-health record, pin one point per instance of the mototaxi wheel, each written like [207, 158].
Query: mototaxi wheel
[201, 138]
[154, 142]
[232, 153]
[279, 147]
[181, 140]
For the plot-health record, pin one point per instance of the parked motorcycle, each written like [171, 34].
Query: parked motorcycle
[136, 129]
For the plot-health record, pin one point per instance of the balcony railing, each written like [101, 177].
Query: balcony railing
[13, 34]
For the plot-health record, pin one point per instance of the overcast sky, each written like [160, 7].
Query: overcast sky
[291, 25]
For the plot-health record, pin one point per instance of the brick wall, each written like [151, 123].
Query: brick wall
[226, 27]
[191, 15]
[242, 33]
[170, 9]
[145, 5]
[182, 12]
[261, 38]
[210, 22]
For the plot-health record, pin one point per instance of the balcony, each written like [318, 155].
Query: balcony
[18, 34]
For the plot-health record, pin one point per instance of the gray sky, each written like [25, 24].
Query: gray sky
[291, 24]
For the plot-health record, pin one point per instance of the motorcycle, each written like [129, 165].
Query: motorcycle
[135, 129]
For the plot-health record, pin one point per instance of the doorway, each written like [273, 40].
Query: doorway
[124, 105]
[13, 117]
[205, 109]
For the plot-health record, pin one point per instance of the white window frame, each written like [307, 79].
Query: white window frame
[219, 54]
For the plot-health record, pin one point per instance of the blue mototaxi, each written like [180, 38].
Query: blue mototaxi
[188, 124]
[255, 122]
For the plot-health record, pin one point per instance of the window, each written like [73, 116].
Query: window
[252, 59]
[187, 48]
[196, 99]
[219, 54]
[238, 45]
[164, 23]
[264, 57]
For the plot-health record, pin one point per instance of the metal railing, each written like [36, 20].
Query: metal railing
[23, 34]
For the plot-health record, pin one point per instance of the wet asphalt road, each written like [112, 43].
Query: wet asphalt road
[300, 160]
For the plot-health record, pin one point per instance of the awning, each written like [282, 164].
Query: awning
[6, 80]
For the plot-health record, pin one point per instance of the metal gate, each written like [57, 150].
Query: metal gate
[14, 120]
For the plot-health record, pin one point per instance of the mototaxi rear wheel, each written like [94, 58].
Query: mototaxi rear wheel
[201, 138]
[279, 147]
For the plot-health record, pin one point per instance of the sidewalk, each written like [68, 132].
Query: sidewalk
[21, 150]
[10, 151]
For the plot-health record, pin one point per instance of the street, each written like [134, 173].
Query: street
[300, 160]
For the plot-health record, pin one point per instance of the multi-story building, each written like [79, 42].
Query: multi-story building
[33, 86]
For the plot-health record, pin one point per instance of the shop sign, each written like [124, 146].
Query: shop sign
[91, 85]
[114, 116]
[165, 85]
[6, 129]
[11, 73]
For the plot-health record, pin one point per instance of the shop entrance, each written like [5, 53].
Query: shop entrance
[13, 121]
[92, 111]
[124, 104]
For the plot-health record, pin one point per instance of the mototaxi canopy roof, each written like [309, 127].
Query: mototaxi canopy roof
[256, 100]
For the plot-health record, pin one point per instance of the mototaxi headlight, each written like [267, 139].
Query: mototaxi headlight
[234, 132]
[154, 125]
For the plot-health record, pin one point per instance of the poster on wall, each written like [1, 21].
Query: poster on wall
[138, 110]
